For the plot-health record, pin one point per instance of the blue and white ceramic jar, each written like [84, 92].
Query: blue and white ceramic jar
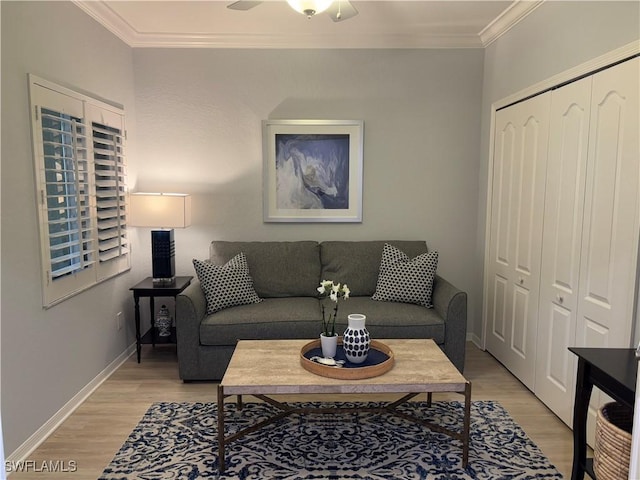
[164, 321]
[356, 340]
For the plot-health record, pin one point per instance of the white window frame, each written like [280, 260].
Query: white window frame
[81, 189]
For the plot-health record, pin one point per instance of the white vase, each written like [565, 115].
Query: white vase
[329, 345]
[356, 340]
[163, 322]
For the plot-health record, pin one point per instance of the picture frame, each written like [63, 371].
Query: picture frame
[312, 170]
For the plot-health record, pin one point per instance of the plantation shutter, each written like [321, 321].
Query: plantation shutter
[63, 192]
[66, 194]
[80, 187]
[110, 183]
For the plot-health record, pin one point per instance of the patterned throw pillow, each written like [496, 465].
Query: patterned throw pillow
[226, 285]
[406, 280]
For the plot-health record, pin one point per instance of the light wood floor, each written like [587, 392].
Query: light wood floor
[97, 429]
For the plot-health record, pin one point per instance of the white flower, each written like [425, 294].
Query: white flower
[324, 286]
[335, 291]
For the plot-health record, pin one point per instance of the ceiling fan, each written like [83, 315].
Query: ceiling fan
[338, 10]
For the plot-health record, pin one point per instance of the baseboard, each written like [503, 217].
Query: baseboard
[476, 340]
[34, 441]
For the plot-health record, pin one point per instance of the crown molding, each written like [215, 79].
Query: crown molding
[103, 14]
[290, 41]
[510, 17]
[109, 19]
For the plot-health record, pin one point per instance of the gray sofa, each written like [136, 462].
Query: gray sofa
[285, 275]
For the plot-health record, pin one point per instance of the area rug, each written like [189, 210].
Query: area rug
[179, 441]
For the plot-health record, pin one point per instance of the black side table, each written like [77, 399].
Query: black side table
[146, 288]
[612, 370]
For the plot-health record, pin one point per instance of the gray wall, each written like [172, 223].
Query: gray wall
[199, 131]
[554, 38]
[50, 355]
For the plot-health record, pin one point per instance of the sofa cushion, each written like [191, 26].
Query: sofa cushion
[357, 263]
[274, 318]
[404, 279]
[393, 320]
[278, 269]
[226, 285]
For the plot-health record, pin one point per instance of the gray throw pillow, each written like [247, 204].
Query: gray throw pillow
[402, 279]
[226, 285]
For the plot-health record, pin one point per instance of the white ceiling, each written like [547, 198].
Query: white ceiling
[273, 24]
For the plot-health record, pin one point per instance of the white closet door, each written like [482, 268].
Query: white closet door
[610, 232]
[561, 245]
[611, 224]
[520, 156]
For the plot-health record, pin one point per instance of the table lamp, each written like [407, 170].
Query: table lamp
[163, 212]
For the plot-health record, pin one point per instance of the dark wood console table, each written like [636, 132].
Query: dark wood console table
[146, 288]
[612, 370]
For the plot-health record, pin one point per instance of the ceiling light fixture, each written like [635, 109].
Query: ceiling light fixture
[309, 7]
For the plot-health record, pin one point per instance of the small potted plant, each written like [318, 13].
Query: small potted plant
[329, 337]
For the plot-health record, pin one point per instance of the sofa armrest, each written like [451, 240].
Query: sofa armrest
[191, 308]
[451, 304]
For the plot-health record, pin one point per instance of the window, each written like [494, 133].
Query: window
[81, 187]
[110, 190]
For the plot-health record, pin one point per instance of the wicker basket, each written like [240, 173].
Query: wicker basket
[612, 451]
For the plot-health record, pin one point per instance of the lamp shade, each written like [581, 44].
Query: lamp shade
[160, 210]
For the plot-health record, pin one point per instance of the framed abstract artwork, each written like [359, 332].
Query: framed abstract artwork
[312, 170]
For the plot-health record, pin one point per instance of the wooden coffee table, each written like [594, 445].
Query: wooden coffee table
[272, 367]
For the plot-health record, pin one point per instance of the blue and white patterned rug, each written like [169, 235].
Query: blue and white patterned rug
[179, 441]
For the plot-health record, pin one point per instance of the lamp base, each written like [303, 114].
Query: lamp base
[164, 282]
[163, 256]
